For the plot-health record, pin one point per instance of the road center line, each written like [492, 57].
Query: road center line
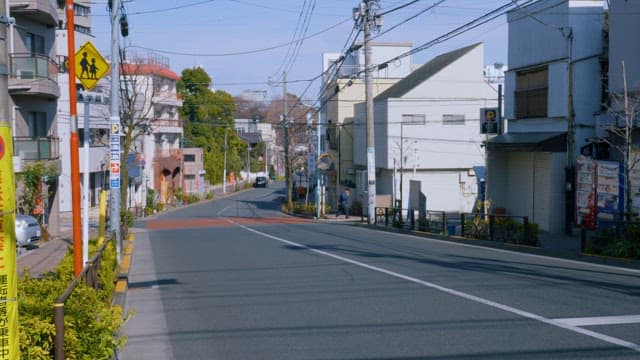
[526, 314]
[601, 320]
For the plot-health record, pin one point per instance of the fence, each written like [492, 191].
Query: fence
[499, 228]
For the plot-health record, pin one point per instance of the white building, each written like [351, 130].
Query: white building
[624, 20]
[158, 161]
[427, 129]
[551, 95]
[344, 84]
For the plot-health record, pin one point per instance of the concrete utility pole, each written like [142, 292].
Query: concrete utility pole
[365, 16]
[318, 173]
[285, 123]
[114, 119]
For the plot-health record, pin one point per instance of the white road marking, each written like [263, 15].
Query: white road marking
[219, 213]
[507, 308]
[601, 320]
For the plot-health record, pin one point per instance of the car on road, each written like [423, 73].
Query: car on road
[261, 181]
[27, 230]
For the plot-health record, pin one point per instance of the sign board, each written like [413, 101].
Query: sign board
[489, 119]
[90, 66]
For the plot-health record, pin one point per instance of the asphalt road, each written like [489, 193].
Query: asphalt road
[236, 279]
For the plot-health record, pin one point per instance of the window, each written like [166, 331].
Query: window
[34, 43]
[97, 137]
[189, 177]
[453, 119]
[82, 29]
[81, 10]
[37, 123]
[531, 93]
[413, 119]
[189, 157]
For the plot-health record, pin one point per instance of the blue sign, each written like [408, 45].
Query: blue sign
[115, 183]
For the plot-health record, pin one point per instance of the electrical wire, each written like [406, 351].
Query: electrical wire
[397, 8]
[246, 52]
[410, 18]
[487, 17]
[301, 41]
[171, 8]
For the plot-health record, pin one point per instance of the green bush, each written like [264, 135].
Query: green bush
[623, 243]
[90, 320]
[209, 195]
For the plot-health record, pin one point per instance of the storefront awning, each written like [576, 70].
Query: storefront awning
[529, 141]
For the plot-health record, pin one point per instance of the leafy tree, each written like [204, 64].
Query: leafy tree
[209, 119]
[30, 185]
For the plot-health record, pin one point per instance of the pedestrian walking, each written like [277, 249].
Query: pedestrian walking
[344, 203]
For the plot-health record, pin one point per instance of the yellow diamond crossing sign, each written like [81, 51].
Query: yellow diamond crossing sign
[90, 66]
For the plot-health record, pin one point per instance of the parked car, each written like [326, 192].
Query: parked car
[27, 230]
[261, 181]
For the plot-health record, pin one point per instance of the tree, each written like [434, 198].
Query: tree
[136, 110]
[208, 117]
[30, 182]
[624, 134]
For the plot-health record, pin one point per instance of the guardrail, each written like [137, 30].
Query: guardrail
[500, 228]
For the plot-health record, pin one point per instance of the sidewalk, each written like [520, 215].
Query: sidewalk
[47, 255]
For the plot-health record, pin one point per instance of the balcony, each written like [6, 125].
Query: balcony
[168, 159]
[167, 126]
[33, 75]
[37, 149]
[40, 11]
[167, 99]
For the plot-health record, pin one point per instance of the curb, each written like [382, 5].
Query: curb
[122, 284]
[581, 257]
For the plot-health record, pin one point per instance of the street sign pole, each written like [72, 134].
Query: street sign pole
[85, 182]
[114, 119]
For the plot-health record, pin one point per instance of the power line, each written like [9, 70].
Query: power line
[410, 18]
[246, 52]
[171, 8]
[398, 8]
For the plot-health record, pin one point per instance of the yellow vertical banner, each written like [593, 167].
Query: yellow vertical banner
[9, 341]
[102, 224]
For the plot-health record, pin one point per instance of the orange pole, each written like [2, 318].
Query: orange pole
[74, 144]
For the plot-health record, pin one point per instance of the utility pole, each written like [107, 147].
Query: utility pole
[8, 263]
[224, 171]
[285, 122]
[318, 173]
[365, 16]
[114, 119]
[74, 144]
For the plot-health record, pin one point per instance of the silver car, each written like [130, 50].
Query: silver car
[27, 230]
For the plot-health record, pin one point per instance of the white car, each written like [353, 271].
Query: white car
[27, 230]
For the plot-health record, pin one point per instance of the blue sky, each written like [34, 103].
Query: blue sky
[203, 33]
